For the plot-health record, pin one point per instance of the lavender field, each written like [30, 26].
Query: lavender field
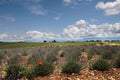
[34, 60]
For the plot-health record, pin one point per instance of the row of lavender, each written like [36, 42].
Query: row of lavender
[34, 62]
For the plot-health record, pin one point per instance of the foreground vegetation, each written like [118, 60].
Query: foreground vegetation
[32, 60]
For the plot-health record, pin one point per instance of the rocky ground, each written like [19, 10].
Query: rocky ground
[112, 74]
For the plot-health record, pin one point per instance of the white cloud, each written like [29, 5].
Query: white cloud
[41, 35]
[81, 29]
[6, 36]
[34, 1]
[91, 30]
[67, 2]
[9, 18]
[37, 9]
[81, 23]
[30, 35]
[34, 6]
[75, 2]
[3, 36]
[110, 8]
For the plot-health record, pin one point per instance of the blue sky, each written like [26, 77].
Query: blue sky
[59, 19]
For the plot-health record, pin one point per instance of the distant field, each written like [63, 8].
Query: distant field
[41, 44]
[117, 42]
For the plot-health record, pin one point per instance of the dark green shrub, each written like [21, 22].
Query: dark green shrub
[24, 53]
[101, 65]
[13, 60]
[14, 72]
[43, 70]
[83, 50]
[107, 56]
[51, 58]
[29, 73]
[90, 55]
[70, 57]
[71, 67]
[117, 63]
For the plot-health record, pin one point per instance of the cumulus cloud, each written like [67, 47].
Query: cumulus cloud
[3, 36]
[110, 8]
[79, 30]
[41, 35]
[91, 30]
[30, 35]
[9, 18]
[6, 36]
[81, 23]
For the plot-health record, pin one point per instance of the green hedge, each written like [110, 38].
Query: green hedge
[101, 65]
[14, 72]
[71, 67]
[43, 70]
[117, 62]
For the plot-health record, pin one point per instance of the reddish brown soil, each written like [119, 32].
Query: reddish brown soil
[113, 74]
